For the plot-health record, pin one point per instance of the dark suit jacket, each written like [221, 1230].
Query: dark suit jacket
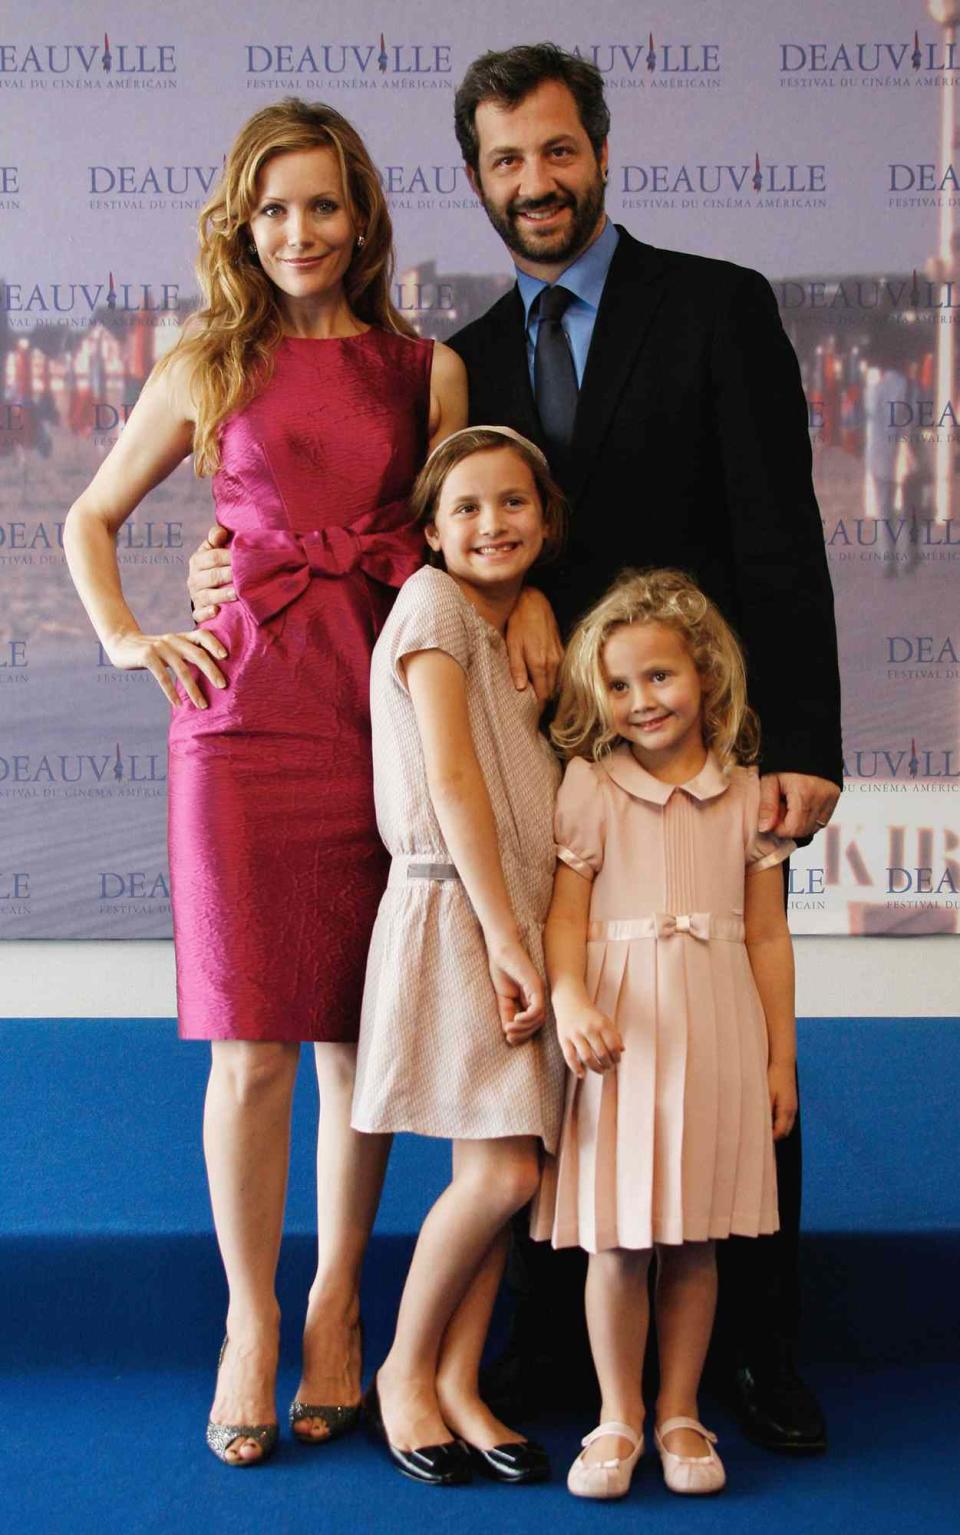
[691, 449]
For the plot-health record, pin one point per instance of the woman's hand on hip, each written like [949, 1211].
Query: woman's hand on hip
[169, 657]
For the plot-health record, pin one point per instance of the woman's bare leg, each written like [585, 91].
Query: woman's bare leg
[350, 1170]
[686, 1303]
[618, 1319]
[491, 1180]
[246, 1138]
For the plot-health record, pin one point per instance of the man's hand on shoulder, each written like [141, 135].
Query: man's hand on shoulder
[796, 804]
[210, 579]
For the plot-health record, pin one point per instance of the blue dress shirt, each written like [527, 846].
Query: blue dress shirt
[584, 279]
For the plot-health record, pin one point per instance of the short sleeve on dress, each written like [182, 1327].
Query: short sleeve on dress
[579, 820]
[763, 849]
[428, 615]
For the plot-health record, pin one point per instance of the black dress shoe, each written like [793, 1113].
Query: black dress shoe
[526, 1462]
[522, 1384]
[439, 1465]
[776, 1408]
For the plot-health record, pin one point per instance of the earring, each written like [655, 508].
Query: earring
[361, 242]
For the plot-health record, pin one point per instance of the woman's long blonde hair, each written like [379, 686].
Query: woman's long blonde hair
[231, 341]
[583, 726]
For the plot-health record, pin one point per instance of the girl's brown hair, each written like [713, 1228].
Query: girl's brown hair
[484, 439]
[230, 343]
[583, 727]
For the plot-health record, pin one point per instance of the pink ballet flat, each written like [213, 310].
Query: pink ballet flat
[608, 1478]
[690, 1473]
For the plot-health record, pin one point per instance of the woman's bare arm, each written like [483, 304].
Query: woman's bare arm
[448, 394]
[156, 438]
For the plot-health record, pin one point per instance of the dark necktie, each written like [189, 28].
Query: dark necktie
[555, 377]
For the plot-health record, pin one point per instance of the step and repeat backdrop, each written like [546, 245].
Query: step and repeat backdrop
[813, 141]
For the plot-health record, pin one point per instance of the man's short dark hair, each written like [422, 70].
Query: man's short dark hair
[510, 76]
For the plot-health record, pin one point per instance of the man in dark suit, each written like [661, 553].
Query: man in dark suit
[668, 399]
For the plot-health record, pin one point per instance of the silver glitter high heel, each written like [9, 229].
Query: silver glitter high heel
[338, 1420]
[220, 1436]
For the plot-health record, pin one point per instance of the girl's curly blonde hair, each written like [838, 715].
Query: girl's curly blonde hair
[583, 726]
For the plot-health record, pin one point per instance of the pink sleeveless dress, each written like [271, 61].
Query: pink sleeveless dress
[276, 865]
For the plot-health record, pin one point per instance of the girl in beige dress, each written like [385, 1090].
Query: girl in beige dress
[451, 1038]
[671, 972]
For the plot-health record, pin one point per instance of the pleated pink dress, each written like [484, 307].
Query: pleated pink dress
[675, 1144]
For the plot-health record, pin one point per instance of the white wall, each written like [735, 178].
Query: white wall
[836, 977]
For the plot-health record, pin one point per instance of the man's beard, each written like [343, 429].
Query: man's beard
[586, 216]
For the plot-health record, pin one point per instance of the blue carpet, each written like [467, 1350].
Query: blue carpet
[113, 1297]
[144, 1302]
[100, 1130]
[106, 1452]
[100, 1140]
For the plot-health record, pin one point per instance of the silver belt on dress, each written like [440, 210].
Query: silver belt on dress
[431, 871]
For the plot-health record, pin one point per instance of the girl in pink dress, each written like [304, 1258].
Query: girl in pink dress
[671, 972]
[451, 1039]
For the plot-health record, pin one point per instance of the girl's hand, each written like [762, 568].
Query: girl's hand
[589, 1041]
[782, 1081]
[163, 654]
[520, 991]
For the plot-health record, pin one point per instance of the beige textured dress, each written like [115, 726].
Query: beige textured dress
[675, 1144]
[432, 1057]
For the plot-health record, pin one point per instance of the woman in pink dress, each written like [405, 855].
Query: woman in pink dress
[312, 404]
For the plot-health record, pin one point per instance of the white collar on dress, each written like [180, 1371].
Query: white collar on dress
[622, 766]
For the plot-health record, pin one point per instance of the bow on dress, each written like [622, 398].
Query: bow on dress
[273, 567]
[666, 924]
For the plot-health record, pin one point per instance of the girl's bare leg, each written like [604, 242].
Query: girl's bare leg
[686, 1302]
[246, 1138]
[491, 1181]
[458, 1373]
[618, 1318]
[350, 1171]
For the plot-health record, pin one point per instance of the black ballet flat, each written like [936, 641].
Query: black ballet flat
[526, 1462]
[438, 1465]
